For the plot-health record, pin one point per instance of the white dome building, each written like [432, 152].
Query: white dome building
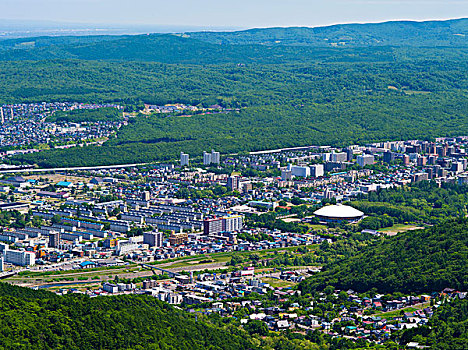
[338, 213]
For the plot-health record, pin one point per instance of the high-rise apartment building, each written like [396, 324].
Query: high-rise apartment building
[153, 239]
[55, 239]
[316, 170]
[215, 157]
[184, 159]
[230, 223]
[365, 159]
[206, 158]
[211, 158]
[233, 183]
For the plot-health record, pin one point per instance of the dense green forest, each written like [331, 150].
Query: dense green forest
[281, 105]
[41, 320]
[398, 33]
[408, 33]
[423, 202]
[419, 261]
[298, 93]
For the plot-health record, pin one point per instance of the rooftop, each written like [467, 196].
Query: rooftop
[339, 211]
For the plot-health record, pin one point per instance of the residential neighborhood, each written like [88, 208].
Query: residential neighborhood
[191, 234]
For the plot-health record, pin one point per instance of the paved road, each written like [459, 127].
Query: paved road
[282, 150]
[71, 169]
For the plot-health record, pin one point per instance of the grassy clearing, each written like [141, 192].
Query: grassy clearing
[278, 283]
[398, 228]
[317, 227]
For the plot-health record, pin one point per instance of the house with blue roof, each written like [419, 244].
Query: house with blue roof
[87, 265]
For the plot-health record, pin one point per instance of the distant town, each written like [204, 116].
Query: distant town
[27, 128]
[24, 128]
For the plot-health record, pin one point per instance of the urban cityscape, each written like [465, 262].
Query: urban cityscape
[249, 175]
[183, 232]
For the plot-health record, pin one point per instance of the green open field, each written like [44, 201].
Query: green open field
[398, 228]
[278, 283]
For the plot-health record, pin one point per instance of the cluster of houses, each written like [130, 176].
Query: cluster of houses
[26, 125]
[181, 108]
[338, 313]
[355, 317]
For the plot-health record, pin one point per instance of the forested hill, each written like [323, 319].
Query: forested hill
[418, 261]
[41, 320]
[285, 105]
[287, 95]
[271, 45]
[396, 33]
[165, 48]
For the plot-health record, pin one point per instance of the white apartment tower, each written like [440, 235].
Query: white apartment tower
[184, 159]
[215, 157]
[211, 158]
[207, 158]
[365, 159]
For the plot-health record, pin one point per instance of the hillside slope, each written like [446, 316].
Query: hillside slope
[418, 261]
[269, 45]
[280, 106]
[288, 95]
[42, 320]
[395, 33]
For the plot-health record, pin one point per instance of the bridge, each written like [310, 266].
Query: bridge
[4, 275]
[171, 274]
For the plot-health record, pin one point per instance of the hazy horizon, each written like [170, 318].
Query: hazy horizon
[16, 29]
[56, 24]
[242, 14]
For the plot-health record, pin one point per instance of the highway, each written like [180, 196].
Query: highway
[283, 150]
[71, 169]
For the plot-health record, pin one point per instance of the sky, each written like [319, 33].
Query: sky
[229, 13]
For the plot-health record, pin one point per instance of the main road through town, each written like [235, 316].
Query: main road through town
[35, 170]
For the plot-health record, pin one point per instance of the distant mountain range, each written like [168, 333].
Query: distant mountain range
[272, 45]
[398, 33]
[294, 86]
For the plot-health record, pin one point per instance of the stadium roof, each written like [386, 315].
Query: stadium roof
[339, 211]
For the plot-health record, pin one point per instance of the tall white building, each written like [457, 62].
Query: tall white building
[233, 223]
[126, 247]
[365, 159]
[184, 159]
[215, 157]
[207, 158]
[300, 171]
[211, 158]
[316, 170]
[339, 157]
[230, 223]
[21, 258]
